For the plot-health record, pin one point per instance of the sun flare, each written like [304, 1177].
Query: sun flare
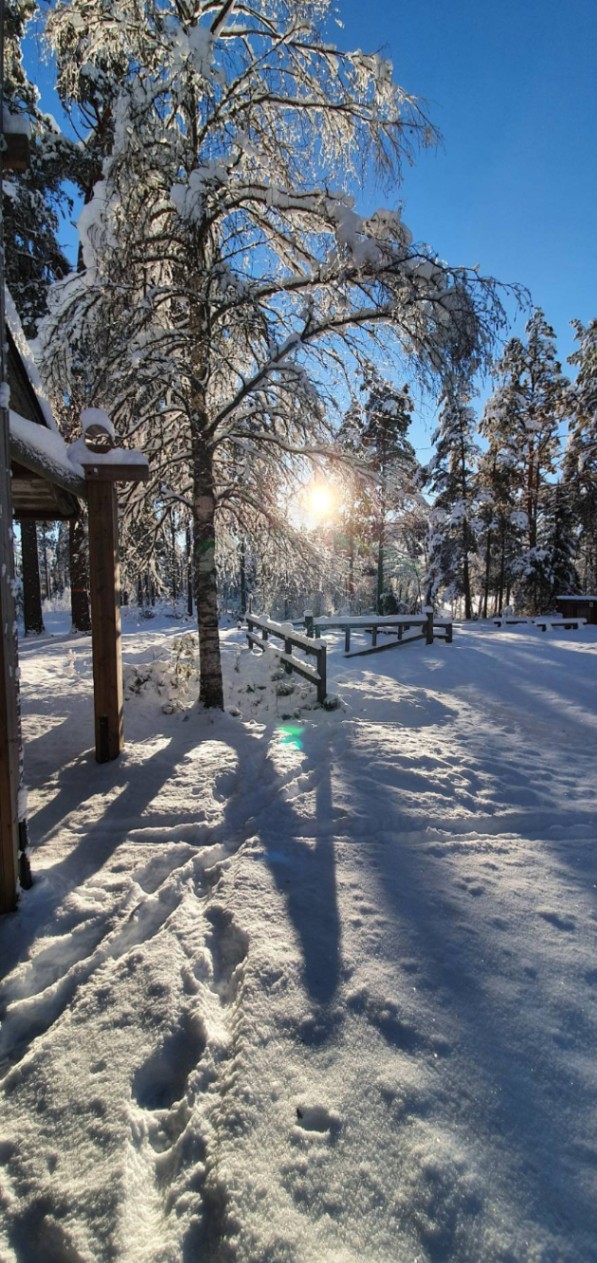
[321, 501]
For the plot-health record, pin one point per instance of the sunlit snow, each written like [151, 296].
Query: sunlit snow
[297, 985]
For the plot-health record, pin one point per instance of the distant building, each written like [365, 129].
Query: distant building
[578, 607]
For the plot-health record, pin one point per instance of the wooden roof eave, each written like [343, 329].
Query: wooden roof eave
[24, 454]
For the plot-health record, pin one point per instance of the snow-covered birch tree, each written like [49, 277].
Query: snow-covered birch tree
[221, 254]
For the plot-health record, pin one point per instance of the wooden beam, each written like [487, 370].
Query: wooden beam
[9, 718]
[119, 471]
[104, 573]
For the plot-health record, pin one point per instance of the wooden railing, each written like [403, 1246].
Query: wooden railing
[258, 634]
[393, 625]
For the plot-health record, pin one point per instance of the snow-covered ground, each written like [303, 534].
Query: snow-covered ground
[299, 986]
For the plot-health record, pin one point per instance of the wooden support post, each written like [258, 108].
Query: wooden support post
[373, 637]
[347, 640]
[101, 476]
[9, 718]
[288, 650]
[429, 624]
[309, 623]
[104, 574]
[322, 686]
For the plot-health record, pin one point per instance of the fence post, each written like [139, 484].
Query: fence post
[347, 639]
[428, 610]
[309, 623]
[322, 686]
[288, 650]
[250, 605]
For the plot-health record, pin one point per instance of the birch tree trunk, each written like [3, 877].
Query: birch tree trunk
[211, 691]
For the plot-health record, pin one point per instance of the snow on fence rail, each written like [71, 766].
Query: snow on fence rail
[292, 640]
[425, 625]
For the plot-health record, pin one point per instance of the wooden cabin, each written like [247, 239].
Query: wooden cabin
[40, 489]
[578, 607]
[50, 481]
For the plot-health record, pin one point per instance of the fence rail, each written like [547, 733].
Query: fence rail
[258, 635]
[393, 625]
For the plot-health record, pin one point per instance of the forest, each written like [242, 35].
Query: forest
[262, 342]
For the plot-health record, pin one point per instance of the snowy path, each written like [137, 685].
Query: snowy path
[305, 986]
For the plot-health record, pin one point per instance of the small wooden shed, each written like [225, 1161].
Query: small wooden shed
[578, 607]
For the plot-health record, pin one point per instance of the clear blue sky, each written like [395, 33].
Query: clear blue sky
[512, 87]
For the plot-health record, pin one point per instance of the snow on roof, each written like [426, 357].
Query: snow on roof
[46, 452]
[574, 596]
[28, 360]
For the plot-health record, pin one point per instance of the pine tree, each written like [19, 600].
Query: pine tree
[534, 399]
[32, 611]
[580, 459]
[500, 521]
[31, 199]
[560, 571]
[377, 432]
[450, 479]
[217, 260]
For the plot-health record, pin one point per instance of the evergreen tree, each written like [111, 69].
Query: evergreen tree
[500, 521]
[560, 571]
[31, 198]
[217, 260]
[450, 479]
[580, 460]
[32, 611]
[377, 433]
[533, 400]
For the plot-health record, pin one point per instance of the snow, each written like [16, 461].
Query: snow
[48, 448]
[14, 124]
[79, 455]
[27, 353]
[298, 985]
[91, 417]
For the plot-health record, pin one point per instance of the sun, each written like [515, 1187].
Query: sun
[321, 501]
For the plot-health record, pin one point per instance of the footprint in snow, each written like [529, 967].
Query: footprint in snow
[162, 1079]
[318, 1120]
[229, 946]
[558, 919]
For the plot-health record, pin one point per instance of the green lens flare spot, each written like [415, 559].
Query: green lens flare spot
[290, 735]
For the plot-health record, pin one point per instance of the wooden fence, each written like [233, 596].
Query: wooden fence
[258, 634]
[393, 625]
